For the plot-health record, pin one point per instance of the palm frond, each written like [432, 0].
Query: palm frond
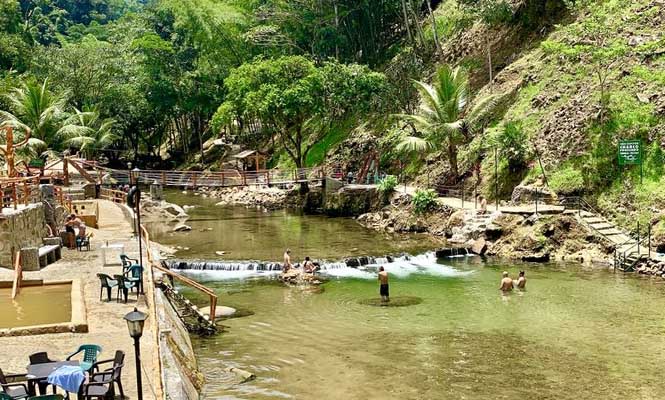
[414, 144]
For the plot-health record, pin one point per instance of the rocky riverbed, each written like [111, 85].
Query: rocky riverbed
[526, 237]
[651, 267]
[268, 198]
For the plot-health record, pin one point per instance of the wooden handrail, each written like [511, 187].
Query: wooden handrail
[161, 267]
[18, 275]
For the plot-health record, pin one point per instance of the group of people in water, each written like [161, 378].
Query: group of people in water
[308, 266]
[507, 283]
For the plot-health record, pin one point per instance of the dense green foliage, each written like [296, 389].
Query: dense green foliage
[438, 87]
[388, 184]
[423, 200]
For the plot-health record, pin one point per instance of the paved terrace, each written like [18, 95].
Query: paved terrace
[105, 319]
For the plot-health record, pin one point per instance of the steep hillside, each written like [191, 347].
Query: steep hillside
[567, 89]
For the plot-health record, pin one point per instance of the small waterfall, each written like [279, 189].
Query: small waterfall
[356, 267]
[209, 265]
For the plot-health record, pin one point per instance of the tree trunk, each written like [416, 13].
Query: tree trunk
[434, 30]
[406, 21]
[452, 159]
[336, 30]
[489, 60]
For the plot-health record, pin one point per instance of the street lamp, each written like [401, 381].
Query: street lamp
[135, 321]
[136, 194]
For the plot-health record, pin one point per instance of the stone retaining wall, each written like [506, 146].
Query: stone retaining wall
[181, 378]
[20, 228]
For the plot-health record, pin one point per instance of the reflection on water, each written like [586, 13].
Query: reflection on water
[574, 334]
[35, 305]
[253, 234]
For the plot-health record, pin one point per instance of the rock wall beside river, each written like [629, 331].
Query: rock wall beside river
[352, 201]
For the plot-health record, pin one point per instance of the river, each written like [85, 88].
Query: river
[577, 332]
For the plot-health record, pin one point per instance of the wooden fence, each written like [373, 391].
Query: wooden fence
[18, 275]
[19, 191]
[116, 196]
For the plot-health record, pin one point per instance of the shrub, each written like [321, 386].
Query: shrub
[388, 184]
[567, 180]
[423, 200]
[512, 143]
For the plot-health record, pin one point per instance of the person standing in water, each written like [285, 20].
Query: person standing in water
[506, 283]
[521, 281]
[383, 288]
[287, 261]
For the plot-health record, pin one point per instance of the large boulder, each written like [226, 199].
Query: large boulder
[479, 246]
[528, 194]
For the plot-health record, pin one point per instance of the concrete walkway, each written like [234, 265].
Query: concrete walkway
[105, 319]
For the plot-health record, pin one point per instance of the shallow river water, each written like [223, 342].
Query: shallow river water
[576, 333]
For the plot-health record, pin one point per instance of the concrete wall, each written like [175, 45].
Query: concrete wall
[181, 378]
[20, 228]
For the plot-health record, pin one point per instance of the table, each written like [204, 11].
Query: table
[39, 372]
[118, 247]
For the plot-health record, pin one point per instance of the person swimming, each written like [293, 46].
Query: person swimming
[521, 281]
[506, 283]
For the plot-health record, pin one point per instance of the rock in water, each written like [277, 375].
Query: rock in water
[220, 311]
[479, 246]
[182, 228]
[245, 375]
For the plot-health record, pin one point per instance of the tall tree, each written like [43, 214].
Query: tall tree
[298, 100]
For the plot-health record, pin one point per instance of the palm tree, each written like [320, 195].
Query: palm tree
[416, 148]
[92, 133]
[443, 113]
[35, 106]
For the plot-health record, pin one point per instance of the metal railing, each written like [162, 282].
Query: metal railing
[225, 178]
[465, 192]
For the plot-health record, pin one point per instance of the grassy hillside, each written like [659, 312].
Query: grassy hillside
[570, 88]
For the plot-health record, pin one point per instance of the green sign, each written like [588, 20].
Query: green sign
[630, 152]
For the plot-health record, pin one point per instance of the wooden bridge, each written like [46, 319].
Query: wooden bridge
[192, 179]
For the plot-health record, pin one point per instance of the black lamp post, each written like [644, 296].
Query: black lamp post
[135, 321]
[134, 174]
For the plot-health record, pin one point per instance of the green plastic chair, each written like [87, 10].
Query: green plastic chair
[107, 283]
[90, 353]
[127, 262]
[133, 273]
[5, 396]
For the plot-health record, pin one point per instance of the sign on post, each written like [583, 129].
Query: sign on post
[630, 152]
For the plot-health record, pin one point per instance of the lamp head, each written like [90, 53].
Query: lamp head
[135, 321]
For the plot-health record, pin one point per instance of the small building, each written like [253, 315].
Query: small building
[252, 160]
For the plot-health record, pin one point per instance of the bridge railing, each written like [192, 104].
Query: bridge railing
[229, 178]
[19, 191]
[116, 196]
